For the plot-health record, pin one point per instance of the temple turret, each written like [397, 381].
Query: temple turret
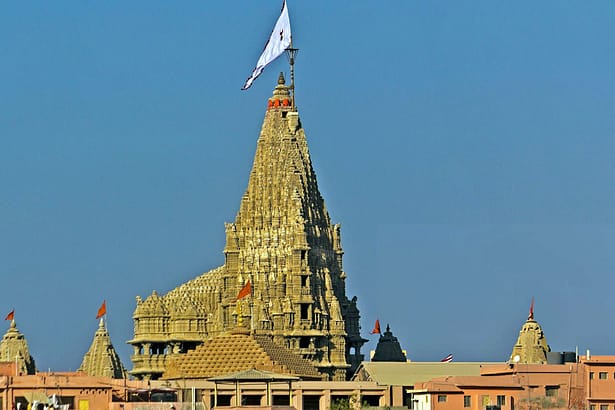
[102, 359]
[388, 349]
[14, 348]
[284, 243]
[531, 346]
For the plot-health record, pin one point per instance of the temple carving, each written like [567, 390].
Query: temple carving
[283, 242]
[101, 359]
[531, 346]
[14, 348]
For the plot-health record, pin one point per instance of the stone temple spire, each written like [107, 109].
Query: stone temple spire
[388, 349]
[102, 359]
[14, 348]
[531, 346]
[283, 242]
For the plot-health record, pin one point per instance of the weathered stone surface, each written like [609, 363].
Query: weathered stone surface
[531, 346]
[14, 348]
[284, 243]
[102, 359]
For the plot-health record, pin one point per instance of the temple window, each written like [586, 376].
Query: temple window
[602, 375]
[551, 391]
[304, 342]
[281, 400]
[441, 398]
[305, 310]
[370, 400]
[251, 400]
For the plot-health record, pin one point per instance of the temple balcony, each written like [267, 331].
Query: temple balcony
[152, 363]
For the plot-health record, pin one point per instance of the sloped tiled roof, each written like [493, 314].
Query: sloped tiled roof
[236, 352]
[254, 375]
[410, 373]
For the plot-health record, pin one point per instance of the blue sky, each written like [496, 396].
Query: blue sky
[466, 147]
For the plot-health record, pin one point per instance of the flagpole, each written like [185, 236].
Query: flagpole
[252, 305]
[292, 52]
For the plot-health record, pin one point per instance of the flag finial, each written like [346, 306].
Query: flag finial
[530, 316]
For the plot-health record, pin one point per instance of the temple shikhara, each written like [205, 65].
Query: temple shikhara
[283, 244]
[14, 349]
[531, 346]
[101, 359]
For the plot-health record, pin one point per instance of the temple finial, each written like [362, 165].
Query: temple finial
[281, 95]
[530, 316]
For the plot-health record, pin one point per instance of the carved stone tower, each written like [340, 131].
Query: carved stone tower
[531, 346]
[283, 242]
[14, 348]
[102, 359]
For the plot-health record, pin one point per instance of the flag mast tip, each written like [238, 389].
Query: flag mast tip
[291, 52]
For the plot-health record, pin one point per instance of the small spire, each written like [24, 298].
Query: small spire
[281, 95]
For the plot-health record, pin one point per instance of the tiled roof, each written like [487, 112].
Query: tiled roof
[237, 352]
[254, 375]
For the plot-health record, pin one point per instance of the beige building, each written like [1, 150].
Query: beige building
[283, 243]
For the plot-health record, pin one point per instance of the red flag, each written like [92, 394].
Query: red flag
[376, 329]
[245, 291]
[11, 315]
[447, 359]
[531, 315]
[102, 310]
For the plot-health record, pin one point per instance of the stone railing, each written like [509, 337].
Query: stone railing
[153, 362]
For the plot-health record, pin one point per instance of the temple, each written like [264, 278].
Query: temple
[531, 346]
[101, 359]
[282, 242]
[388, 349]
[14, 348]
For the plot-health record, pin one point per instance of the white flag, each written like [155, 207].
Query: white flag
[278, 42]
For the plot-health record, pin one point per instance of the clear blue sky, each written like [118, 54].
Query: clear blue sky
[466, 147]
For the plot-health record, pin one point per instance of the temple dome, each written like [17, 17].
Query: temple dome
[14, 348]
[388, 349]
